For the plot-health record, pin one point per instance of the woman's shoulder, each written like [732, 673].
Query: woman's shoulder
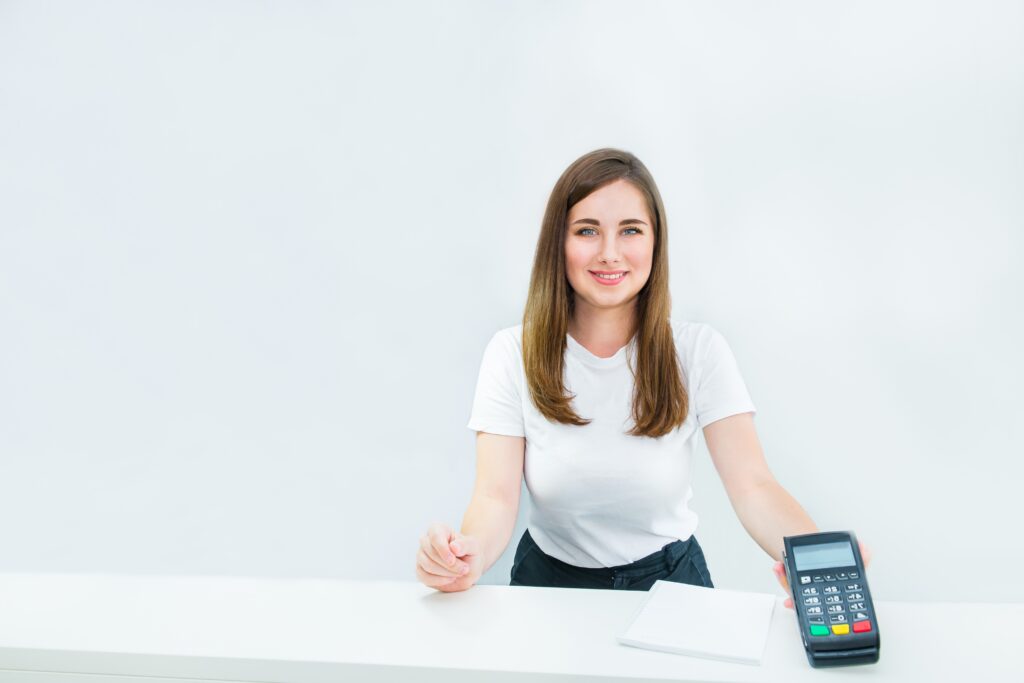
[506, 344]
[691, 332]
[510, 335]
[694, 339]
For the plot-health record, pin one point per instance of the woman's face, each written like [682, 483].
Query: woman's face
[610, 232]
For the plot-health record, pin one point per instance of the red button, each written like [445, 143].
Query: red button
[861, 626]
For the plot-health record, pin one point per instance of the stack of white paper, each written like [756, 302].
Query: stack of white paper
[703, 622]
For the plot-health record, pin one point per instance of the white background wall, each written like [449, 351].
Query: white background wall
[251, 253]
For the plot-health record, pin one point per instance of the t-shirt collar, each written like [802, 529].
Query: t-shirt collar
[584, 356]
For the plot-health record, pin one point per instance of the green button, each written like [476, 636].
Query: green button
[818, 630]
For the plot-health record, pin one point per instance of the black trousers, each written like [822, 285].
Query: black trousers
[679, 561]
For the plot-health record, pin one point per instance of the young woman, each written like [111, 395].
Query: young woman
[597, 397]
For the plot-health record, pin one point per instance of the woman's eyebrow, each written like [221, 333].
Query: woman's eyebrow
[591, 221]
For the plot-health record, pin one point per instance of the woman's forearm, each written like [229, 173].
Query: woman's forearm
[491, 520]
[768, 513]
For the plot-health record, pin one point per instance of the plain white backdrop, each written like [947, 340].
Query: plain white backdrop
[251, 254]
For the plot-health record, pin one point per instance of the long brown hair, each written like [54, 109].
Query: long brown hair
[660, 402]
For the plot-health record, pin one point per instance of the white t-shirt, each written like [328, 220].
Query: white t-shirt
[603, 498]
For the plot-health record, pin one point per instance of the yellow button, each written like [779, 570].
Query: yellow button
[840, 629]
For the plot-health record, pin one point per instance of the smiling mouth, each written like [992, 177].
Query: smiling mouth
[608, 279]
[610, 276]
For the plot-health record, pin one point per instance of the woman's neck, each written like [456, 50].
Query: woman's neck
[603, 331]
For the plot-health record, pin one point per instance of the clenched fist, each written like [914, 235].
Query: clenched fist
[447, 560]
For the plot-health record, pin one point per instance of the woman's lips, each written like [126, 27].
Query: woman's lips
[608, 283]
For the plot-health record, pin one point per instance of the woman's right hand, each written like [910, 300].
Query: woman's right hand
[447, 560]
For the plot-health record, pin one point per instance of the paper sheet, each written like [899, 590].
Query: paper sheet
[702, 622]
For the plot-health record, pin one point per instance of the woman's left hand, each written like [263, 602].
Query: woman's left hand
[780, 571]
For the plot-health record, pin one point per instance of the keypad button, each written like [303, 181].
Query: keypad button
[856, 605]
[833, 599]
[860, 615]
[831, 589]
[815, 620]
[854, 596]
[861, 626]
[814, 610]
[835, 609]
[854, 575]
[838, 619]
[805, 579]
[812, 601]
[819, 630]
[830, 577]
[817, 578]
[809, 591]
[841, 629]
[841, 576]
[853, 586]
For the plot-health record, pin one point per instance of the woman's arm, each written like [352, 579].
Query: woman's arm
[492, 512]
[765, 509]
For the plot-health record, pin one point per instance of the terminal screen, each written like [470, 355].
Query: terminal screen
[823, 555]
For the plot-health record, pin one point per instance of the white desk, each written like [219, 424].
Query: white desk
[60, 628]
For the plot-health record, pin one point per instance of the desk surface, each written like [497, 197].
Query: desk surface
[320, 630]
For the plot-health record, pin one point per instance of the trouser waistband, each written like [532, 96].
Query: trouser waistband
[666, 558]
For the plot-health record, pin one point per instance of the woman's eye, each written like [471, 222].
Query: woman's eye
[583, 230]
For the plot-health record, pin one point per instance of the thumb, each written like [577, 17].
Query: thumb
[463, 545]
[780, 575]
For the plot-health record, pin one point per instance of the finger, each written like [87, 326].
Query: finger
[440, 535]
[464, 545]
[428, 564]
[788, 603]
[432, 567]
[433, 553]
[865, 553]
[780, 574]
[429, 551]
[432, 580]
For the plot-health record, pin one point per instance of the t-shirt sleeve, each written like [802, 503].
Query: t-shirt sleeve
[721, 391]
[497, 407]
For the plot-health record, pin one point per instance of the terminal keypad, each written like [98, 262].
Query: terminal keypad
[834, 604]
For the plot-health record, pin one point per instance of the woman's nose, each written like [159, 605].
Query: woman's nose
[609, 253]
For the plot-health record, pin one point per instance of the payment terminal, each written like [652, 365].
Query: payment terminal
[837, 620]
